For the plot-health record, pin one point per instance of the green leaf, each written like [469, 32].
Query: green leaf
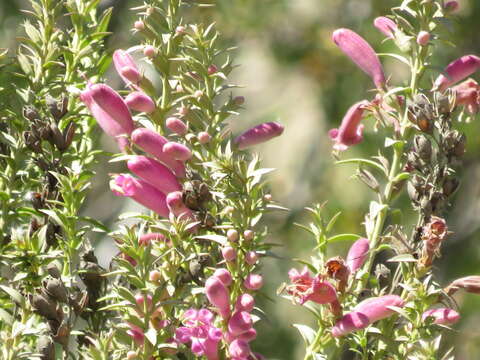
[14, 294]
[308, 334]
[402, 258]
[344, 237]
[222, 240]
[359, 161]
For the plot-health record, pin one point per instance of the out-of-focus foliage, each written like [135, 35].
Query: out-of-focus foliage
[293, 72]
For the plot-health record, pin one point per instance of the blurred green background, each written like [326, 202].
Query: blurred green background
[294, 74]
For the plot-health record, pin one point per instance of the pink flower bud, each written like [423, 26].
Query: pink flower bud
[239, 349]
[350, 322]
[183, 110]
[131, 355]
[423, 38]
[149, 51]
[350, 131]
[109, 109]
[386, 26]
[212, 69]
[451, 6]
[232, 235]
[377, 308]
[140, 191]
[180, 30]
[154, 173]
[258, 134]
[176, 125]
[224, 276]
[139, 25]
[136, 333]
[153, 143]
[240, 322]
[146, 239]
[442, 316]
[253, 282]
[251, 257]
[245, 302]
[204, 137]
[218, 295]
[361, 53]
[177, 151]
[248, 235]
[239, 100]
[357, 254]
[176, 206]
[126, 67]
[229, 253]
[155, 276]
[139, 101]
[457, 71]
[140, 300]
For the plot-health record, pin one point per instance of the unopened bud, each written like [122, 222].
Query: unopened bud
[149, 51]
[248, 235]
[251, 257]
[155, 276]
[423, 38]
[131, 355]
[212, 69]
[139, 25]
[229, 253]
[253, 282]
[232, 235]
[204, 137]
[180, 30]
[198, 94]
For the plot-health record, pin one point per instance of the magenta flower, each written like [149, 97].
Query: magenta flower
[451, 6]
[306, 288]
[224, 276]
[154, 173]
[176, 125]
[140, 191]
[468, 95]
[177, 207]
[457, 71]
[377, 308]
[239, 349]
[200, 333]
[357, 254]
[361, 53]
[126, 67]
[139, 101]
[350, 131]
[239, 323]
[136, 334]
[442, 316]
[152, 143]
[218, 295]
[386, 26]
[177, 151]
[258, 134]
[110, 111]
[350, 322]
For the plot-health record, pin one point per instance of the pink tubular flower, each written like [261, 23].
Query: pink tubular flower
[224, 276]
[442, 316]
[177, 151]
[110, 111]
[136, 333]
[177, 207]
[457, 71]
[258, 135]
[468, 95]
[350, 131]
[140, 191]
[218, 295]
[139, 101]
[386, 26]
[200, 333]
[361, 53]
[245, 302]
[253, 282]
[357, 254]
[451, 6]
[146, 239]
[377, 308]
[350, 322]
[239, 349]
[239, 323]
[154, 173]
[470, 284]
[176, 125]
[306, 288]
[153, 143]
[126, 67]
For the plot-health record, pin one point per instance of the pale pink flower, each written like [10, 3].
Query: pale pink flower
[457, 71]
[258, 134]
[442, 316]
[377, 308]
[468, 95]
[386, 26]
[126, 67]
[357, 254]
[350, 131]
[177, 151]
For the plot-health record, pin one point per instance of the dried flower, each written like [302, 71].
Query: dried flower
[350, 131]
[306, 288]
[433, 234]
[386, 26]
[457, 71]
[258, 134]
[361, 53]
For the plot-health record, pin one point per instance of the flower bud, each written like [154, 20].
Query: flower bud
[145, 239]
[176, 206]
[253, 282]
[442, 316]
[139, 101]
[232, 235]
[204, 137]
[457, 71]
[357, 254]
[350, 131]
[258, 134]
[218, 295]
[240, 322]
[180, 30]
[423, 38]
[224, 276]
[177, 151]
[212, 69]
[239, 349]
[155, 276]
[149, 51]
[386, 26]
[350, 322]
[361, 53]
[251, 257]
[131, 355]
[136, 333]
[154, 173]
[126, 67]
[245, 302]
[377, 308]
[153, 143]
[176, 125]
[229, 253]
[248, 235]
[140, 191]
[139, 25]
[451, 6]
[198, 94]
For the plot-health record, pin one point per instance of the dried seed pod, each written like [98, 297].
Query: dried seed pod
[30, 113]
[53, 271]
[56, 289]
[450, 186]
[45, 306]
[46, 348]
[423, 147]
